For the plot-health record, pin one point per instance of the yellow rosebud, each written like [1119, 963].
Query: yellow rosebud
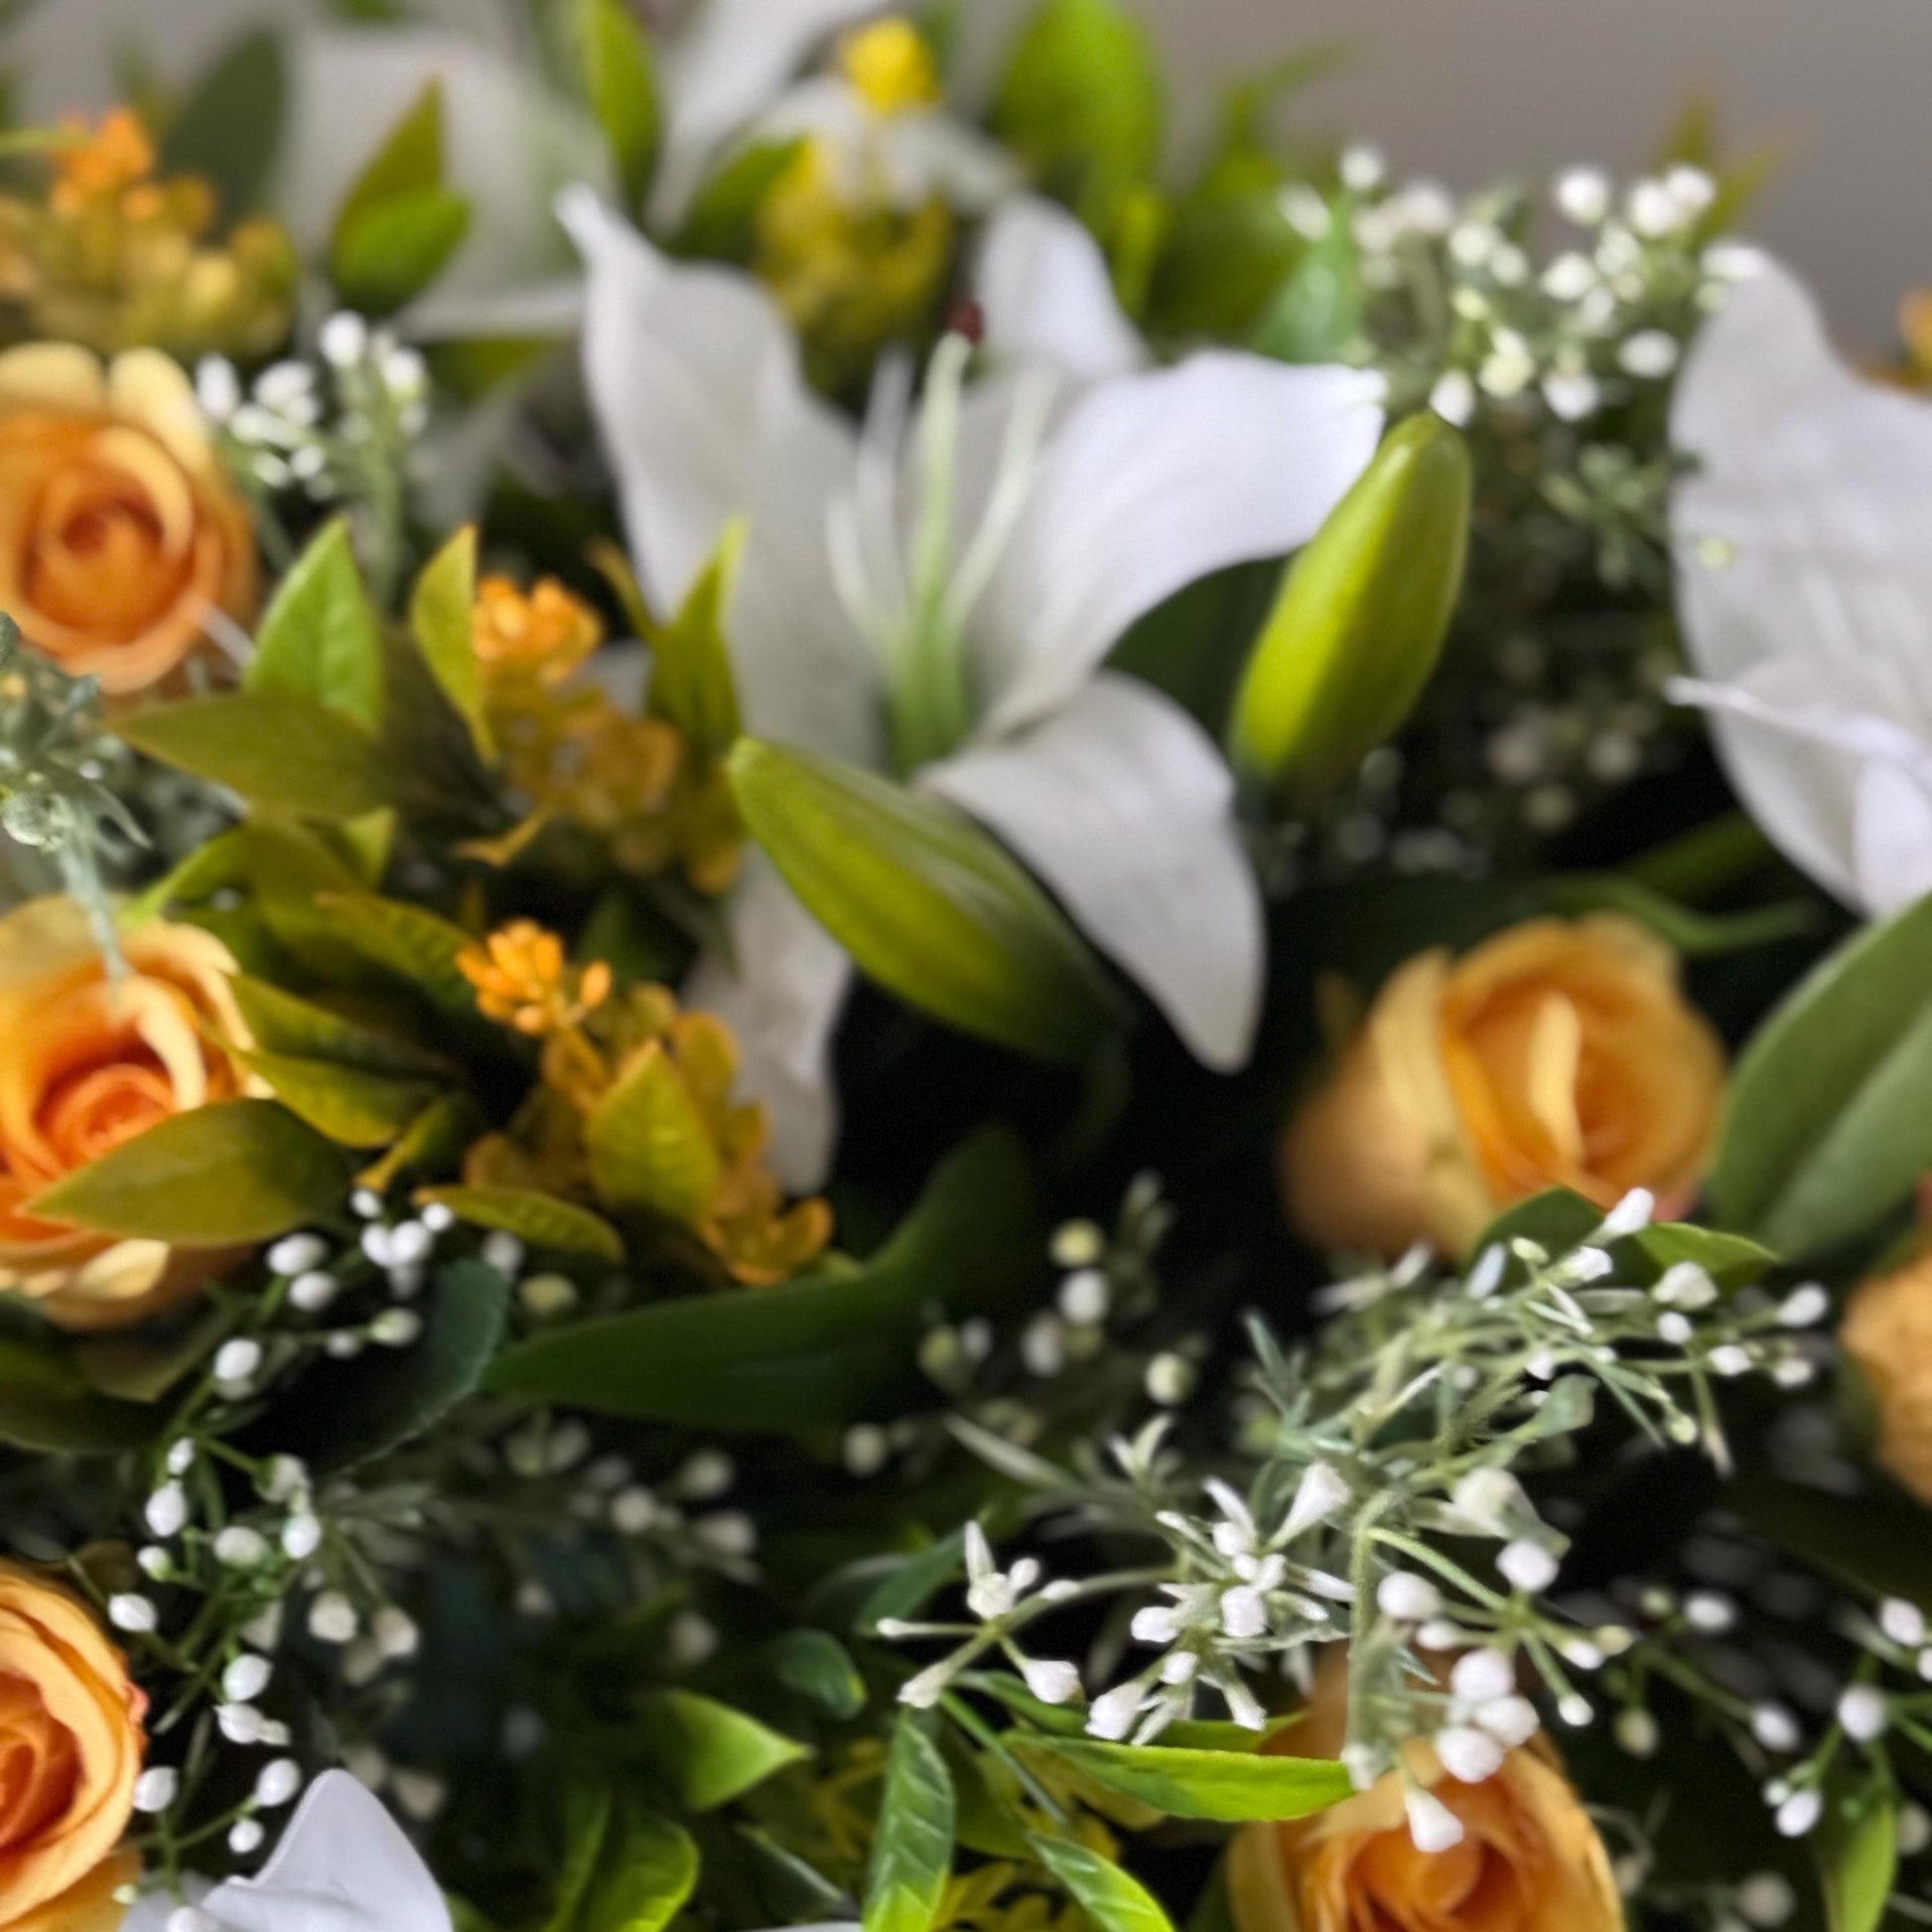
[1528, 1857]
[1888, 1332]
[1556, 1055]
[890, 66]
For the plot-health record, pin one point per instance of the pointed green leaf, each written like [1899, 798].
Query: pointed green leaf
[817, 1666]
[282, 1023]
[242, 1171]
[1083, 100]
[648, 1145]
[406, 941]
[48, 1408]
[927, 903]
[441, 613]
[911, 1851]
[1113, 1899]
[620, 81]
[692, 683]
[1361, 619]
[710, 1752]
[1234, 1787]
[352, 1105]
[1857, 1857]
[409, 160]
[1315, 313]
[538, 1220]
[276, 749]
[587, 1805]
[389, 254]
[319, 638]
[230, 126]
[222, 865]
[647, 1870]
[723, 222]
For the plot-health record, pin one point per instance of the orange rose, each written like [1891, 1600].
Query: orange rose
[71, 1744]
[1556, 1055]
[1888, 1332]
[89, 1064]
[1529, 1860]
[119, 537]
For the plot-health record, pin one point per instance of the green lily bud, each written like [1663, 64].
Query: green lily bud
[1360, 620]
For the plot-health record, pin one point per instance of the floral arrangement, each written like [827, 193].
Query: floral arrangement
[911, 1015]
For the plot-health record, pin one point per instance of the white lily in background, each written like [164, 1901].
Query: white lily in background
[343, 1865]
[936, 597]
[1804, 589]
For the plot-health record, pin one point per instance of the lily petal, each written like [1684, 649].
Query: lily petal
[781, 994]
[1151, 483]
[1123, 805]
[729, 65]
[695, 381]
[1049, 297]
[1805, 582]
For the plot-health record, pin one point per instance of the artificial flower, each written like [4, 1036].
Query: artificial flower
[1514, 1853]
[343, 1865]
[1556, 1055]
[1887, 1334]
[1804, 590]
[92, 1060]
[72, 1740]
[122, 545]
[1048, 508]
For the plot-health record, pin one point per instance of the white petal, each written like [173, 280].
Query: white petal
[1805, 582]
[1122, 804]
[695, 384]
[343, 1866]
[931, 154]
[727, 68]
[781, 994]
[1049, 297]
[1151, 483]
[1891, 837]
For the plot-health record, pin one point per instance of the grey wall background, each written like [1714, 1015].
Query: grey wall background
[1463, 90]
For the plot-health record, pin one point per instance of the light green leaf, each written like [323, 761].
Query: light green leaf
[538, 1220]
[276, 749]
[815, 1353]
[1113, 1899]
[710, 1752]
[692, 683]
[243, 1171]
[409, 160]
[413, 944]
[1234, 1787]
[387, 255]
[586, 1805]
[1361, 619]
[1857, 1857]
[927, 904]
[441, 613]
[352, 1105]
[1082, 101]
[1315, 311]
[646, 1873]
[911, 1851]
[222, 865]
[621, 80]
[227, 129]
[280, 1022]
[319, 639]
[1827, 1131]
[648, 1145]
[723, 222]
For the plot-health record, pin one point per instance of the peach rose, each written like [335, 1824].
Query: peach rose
[71, 1748]
[1557, 1054]
[119, 537]
[89, 1064]
[1888, 1332]
[1529, 1860]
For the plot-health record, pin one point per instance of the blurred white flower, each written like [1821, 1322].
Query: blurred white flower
[1804, 586]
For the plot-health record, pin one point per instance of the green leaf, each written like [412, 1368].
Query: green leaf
[386, 256]
[536, 1219]
[722, 225]
[790, 1890]
[1557, 1221]
[1361, 619]
[405, 940]
[357, 1411]
[710, 1752]
[1218, 1735]
[280, 1022]
[352, 1105]
[228, 128]
[692, 683]
[441, 612]
[1827, 1131]
[911, 1851]
[1692, 933]
[319, 639]
[1315, 311]
[811, 1353]
[648, 1872]
[48, 1407]
[144, 1366]
[220, 866]
[1083, 100]
[587, 1804]
[1110, 1897]
[1857, 1857]
[1234, 1787]
[648, 1145]
[817, 1666]
[409, 160]
[621, 80]
[926, 903]
[276, 749]
[1881, 1547]
[242, 1171]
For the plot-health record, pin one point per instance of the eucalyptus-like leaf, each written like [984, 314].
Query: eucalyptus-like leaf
[926, 903]
[319, 638]
[1361, 619]
[911, 1850]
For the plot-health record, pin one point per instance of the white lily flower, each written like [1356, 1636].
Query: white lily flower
[937, 597]
[343, 1865]
[1804, 586]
